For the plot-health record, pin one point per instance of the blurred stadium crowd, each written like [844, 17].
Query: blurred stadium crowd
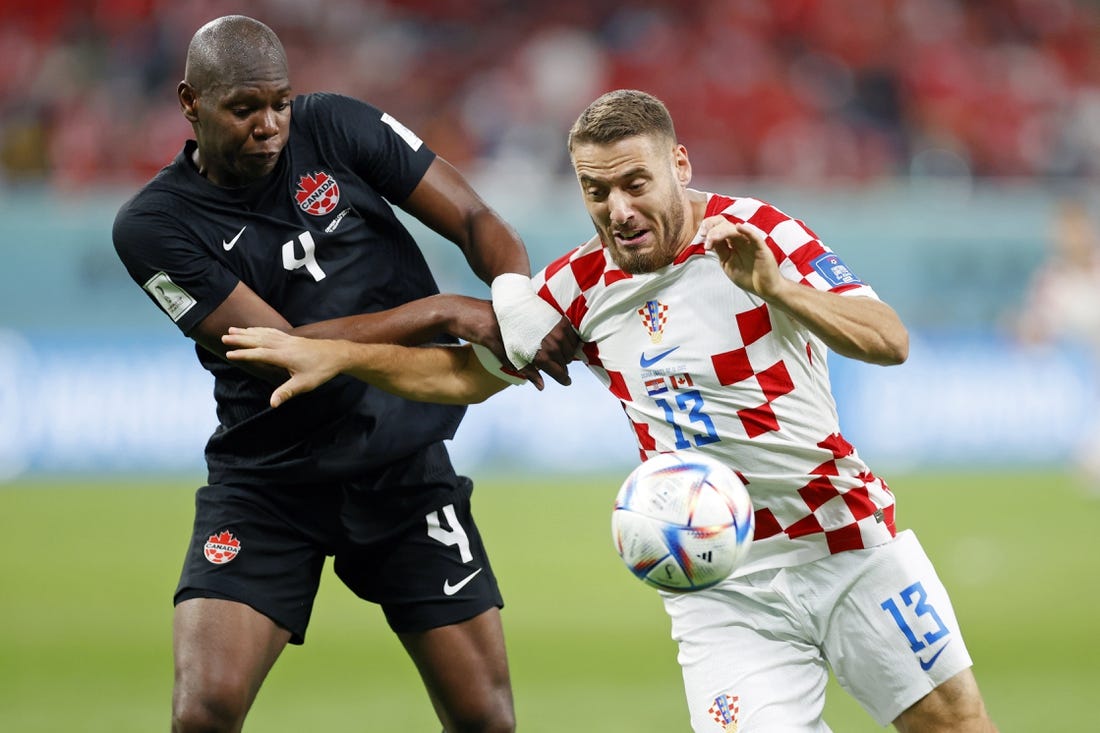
[804, 90]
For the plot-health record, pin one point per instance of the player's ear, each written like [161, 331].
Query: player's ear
[188, 100]
[682, 164]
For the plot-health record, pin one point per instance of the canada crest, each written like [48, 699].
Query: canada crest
[318, 193]
[222, 547]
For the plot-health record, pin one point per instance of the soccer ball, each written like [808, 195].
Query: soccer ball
[682, 521]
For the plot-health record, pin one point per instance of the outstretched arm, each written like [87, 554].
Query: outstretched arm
[857, 327]
[447, 374]
[532, 331]
[413, 323]
[444, 201]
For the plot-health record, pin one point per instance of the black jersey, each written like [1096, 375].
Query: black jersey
[316, 239]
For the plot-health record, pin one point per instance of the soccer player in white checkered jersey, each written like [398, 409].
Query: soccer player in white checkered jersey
[279, 214]
[709, 318]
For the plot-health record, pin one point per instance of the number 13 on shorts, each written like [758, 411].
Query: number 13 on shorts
[917, 619]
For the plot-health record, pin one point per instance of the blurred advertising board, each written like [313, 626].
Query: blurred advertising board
[141, 404]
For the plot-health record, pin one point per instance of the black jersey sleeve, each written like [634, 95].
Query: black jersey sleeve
[163, 258]
[377, 147]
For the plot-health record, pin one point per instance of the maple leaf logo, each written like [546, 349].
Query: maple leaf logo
[221, 548]
[317, 193]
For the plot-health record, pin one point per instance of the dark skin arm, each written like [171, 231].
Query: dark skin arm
[446, 203]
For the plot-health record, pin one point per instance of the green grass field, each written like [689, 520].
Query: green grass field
[87, 574]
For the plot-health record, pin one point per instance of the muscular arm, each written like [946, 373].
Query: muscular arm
[856, 327]
[446, 203]
[446, 374]
[413, 323]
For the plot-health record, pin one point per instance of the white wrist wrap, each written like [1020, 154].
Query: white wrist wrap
[492, 365]
[524, 317]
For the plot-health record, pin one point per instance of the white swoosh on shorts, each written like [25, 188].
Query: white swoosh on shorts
[450, 590]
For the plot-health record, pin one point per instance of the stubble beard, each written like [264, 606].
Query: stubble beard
[634, 262]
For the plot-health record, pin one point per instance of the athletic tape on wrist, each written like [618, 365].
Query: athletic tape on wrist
[524, 317]
[492, 365]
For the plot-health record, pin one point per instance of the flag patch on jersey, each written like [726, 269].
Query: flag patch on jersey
[174, 300]
[725, 711]
[317, 193]
[834, 271]
[221, 547]
[680, 380]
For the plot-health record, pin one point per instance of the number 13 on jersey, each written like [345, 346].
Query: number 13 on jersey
[691, 404]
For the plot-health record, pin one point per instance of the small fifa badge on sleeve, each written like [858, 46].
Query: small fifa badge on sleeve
[174, 300]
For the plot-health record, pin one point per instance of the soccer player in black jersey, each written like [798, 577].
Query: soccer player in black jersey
[279, 214]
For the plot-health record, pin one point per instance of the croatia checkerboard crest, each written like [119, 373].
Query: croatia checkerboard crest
[724, 711]
[654, 316]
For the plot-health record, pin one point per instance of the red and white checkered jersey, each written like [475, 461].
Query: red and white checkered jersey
[700, 364]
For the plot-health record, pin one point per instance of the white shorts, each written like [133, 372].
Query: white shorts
[756, 650]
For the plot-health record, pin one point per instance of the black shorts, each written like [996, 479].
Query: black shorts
[402, 541]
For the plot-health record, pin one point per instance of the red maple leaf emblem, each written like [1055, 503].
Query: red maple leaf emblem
[222, 547]
[318, 193]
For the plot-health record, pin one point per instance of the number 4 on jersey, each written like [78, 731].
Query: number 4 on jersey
[292, 262]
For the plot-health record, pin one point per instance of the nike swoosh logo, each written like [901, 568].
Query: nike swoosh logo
[646, 363]
[450, 590]
[927, 665]
[229, 245]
